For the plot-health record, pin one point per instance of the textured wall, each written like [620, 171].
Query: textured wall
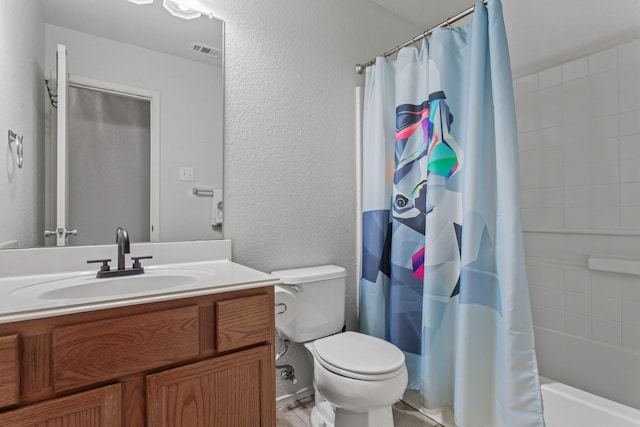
[290, 128]
[22, 111]
[289, 115]
[290, 182]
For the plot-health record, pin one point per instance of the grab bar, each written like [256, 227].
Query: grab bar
[614, 265]
[204, 192]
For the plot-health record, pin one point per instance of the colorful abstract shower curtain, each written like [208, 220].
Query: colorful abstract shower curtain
[443, 272]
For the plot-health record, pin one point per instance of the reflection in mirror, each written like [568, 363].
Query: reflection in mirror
[143, 117]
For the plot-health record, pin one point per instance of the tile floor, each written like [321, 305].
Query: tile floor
[296, 414]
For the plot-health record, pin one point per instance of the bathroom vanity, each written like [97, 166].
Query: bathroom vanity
[196, 355]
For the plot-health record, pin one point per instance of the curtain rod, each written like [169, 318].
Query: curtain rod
[361, 67]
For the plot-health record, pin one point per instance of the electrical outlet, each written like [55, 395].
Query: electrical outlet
[186, 173]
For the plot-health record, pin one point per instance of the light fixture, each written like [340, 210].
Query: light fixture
[181, 11]
[176, 8]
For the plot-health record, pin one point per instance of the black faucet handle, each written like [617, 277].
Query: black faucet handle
[136, 260]
[105, 263]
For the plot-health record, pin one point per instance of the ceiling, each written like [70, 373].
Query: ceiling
[533, 31]
[148, 26]
[541, 33]
[425, 13]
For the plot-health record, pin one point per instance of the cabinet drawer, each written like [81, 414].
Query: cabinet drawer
[9, 371]
[244, 321]
[97, 351]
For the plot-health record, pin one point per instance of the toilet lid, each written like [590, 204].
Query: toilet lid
[359, 353]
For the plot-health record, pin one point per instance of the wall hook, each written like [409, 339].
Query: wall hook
[17, 138]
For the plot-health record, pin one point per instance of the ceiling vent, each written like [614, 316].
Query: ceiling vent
[206, 50]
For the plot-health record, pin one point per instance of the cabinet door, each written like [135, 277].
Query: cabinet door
[235, 390]
[95, 408]
[9, 371]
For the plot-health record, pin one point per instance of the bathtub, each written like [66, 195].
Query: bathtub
[565, 406]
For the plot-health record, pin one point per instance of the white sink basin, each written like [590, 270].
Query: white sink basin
[29, 297]
[88, 286]
[118, 286]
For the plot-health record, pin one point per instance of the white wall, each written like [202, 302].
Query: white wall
[22, 111]
[185, 139]
[290, 129]
[290, 179]
[289, 122]
[577, 105]
[290, 182]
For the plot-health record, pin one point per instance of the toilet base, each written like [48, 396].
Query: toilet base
[382, 417]
[326, 416]
[322, 414]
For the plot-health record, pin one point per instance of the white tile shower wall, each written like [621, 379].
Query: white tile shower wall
[579, 129]
[579, 140]
[567, 297]
[579, 137]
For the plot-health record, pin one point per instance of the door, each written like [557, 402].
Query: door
[104, 161]
[62, 117]
[227, 391]
[108, 165]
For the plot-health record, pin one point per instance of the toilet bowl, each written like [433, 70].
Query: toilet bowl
[357, 377]
[360, 377]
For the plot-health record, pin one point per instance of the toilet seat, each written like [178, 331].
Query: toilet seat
[359, 356]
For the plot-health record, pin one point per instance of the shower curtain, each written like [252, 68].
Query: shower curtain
[443, 273]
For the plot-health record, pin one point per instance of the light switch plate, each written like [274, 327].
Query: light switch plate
[186, 173]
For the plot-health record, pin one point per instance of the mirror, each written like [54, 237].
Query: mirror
[118, 55]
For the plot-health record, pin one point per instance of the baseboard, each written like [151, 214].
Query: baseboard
[289, 398]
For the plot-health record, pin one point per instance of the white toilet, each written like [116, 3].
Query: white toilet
[357, 377]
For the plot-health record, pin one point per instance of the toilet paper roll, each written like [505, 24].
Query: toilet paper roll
[285, 306]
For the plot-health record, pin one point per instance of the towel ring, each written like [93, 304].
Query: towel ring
[17, 138]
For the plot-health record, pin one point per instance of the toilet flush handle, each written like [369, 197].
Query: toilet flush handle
[281, 305]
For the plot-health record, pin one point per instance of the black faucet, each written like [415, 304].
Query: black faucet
[122, 242]
[122, 239]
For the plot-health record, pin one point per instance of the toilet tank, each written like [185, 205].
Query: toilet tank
[320, 301]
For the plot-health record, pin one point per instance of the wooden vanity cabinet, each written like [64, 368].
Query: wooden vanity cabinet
[205, 361]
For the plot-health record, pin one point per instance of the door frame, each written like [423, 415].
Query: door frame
[154, 162]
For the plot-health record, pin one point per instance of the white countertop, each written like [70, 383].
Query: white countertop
[30, 297]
